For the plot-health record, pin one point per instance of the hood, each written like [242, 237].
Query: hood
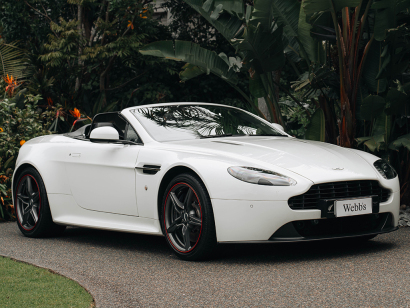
[317, 161]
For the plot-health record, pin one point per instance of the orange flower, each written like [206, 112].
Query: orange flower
[50, 101]
[1, 130]
[76, 113]
[22, 142]
[130, 25]
[11, 85]
[145, 11]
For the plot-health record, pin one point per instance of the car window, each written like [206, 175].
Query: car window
[186, 122]
[131, 135]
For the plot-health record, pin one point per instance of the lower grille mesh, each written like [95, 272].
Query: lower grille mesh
[338, 190]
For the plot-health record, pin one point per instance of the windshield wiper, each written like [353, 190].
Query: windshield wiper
[216, 136]
[269, 135]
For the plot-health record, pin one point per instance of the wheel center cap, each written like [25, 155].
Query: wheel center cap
[31, 202]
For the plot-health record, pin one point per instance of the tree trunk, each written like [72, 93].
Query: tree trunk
[80, 47]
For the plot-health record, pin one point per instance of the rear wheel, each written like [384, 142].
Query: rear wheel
[32, 208]
[187, 218]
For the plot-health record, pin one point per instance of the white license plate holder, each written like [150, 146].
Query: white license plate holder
[353, 207]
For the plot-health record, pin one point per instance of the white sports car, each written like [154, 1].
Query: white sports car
[201, 174]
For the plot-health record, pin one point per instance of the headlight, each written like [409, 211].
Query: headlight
[385, 169]
[260, 176]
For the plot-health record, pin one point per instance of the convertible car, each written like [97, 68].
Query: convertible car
[201, 174]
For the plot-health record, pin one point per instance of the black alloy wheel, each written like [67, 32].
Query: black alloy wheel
[32, 208]
[187, 218]
[28, 202]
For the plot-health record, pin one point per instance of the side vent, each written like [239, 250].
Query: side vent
[149, 169]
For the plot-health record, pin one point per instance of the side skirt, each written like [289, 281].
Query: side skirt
[65, 211]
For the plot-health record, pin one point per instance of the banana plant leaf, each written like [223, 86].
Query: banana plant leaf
[372, 68]
[284, 12]
[256, 86]
[385, 16]
[232, 6]
[230, 26]
[372, 106]
[263, 49]
[316, 128]
[309, 44]
[191, 71]
[313, 6]
[373, 143]
[403, 141]
[382, 126]
[194, 54]
[399, 103]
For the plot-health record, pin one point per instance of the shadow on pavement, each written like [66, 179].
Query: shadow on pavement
[232, 253]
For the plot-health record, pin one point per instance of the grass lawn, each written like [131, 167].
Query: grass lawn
[23, 285]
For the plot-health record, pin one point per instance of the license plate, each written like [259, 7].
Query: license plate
[353, 207]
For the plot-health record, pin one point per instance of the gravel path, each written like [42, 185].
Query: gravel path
[128, 270]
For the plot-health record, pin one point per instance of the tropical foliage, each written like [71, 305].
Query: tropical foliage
[334, 70]
[350, 58]
[16, 127]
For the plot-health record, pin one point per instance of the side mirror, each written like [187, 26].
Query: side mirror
[278, 126]
[104, 134]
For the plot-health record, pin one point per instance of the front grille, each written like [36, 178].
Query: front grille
[338, 190]
[302, 230]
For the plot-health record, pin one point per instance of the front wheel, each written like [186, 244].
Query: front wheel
[187, 218]
[32, 208]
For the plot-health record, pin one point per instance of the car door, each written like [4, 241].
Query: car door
[102, 175]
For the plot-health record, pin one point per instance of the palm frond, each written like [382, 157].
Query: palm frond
[12, 61]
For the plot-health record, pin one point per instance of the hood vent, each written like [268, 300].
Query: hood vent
[227, 142]
[149, 169]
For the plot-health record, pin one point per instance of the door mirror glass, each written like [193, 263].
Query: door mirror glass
[104, 134]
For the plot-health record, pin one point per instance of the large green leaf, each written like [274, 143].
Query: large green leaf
[373, 143]
[229, 25]
[384, 20]
[313, 6]
[403, 141]
[191, 71]
[256, 86]
[192, 53]
[372, 68]
[316, 128]
[263, 49]
[372, 106]
[399, 103]
[232, 6]
[284, 12]
[382, 126]
[309, 44]
[386, 16]
[12, 61]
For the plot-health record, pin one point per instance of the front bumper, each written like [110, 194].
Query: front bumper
[256, 221]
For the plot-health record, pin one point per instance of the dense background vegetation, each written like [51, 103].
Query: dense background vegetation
[334, 71]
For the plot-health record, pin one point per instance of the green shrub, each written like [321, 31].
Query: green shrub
[16, 127]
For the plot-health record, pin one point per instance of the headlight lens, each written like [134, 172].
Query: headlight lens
[260, 176]
[385, 169]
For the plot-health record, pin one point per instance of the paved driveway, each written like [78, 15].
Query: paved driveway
[128, 270]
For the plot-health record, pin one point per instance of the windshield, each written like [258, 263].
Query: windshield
[185, 122]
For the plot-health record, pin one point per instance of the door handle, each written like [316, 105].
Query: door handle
[75, 154]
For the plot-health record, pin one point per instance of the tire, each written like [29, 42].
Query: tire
[32, 208]
[187, 218]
